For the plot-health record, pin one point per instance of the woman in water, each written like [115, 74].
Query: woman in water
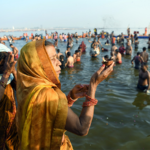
[44, 112]
[83, 46]
[144, 78]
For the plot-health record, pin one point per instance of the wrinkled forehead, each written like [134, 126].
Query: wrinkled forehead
[50, 51]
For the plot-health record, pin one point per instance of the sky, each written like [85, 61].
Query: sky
[75, 13]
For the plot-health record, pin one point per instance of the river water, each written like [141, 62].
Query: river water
[121, 119]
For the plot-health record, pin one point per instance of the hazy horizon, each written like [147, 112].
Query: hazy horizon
[75, 14]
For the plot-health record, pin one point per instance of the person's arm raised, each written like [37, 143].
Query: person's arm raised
[9, 67]
[81, 125]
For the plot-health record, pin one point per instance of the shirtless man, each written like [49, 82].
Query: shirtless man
[113, 48]
[144, 55]
[15, 51]
[128, 49]
[128, 31]
[70, 61]
[137, 60]
[144, 78]
[58, 54]
[68, 50]
[75, 56]
[118, 57]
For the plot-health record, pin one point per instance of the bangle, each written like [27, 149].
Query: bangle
[90, 102]
[3, 84]
[70, 100]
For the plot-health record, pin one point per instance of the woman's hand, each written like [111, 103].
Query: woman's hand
[9, 66]
[100, 75]
[79, 91]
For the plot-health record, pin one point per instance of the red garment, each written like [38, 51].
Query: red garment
[83, 46]
[122, 50]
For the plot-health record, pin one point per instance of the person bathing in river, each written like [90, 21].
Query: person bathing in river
[122, 49]
[104, 50]
[95, 51]
[118, 57]
[136, 43]
[113, 57]
[83, 46]
[148, 43]
[62, 66]
[132, 38]
[113, 48]
[138, 60]
[128, 49]
[98, 41]
[68, 50]
[144, 55]
[107, 42]
[15, 51]
[78, 56]
[144, 78]
[70, 61]
[75, 56]
[58, 54]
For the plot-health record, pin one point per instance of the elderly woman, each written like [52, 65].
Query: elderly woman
[8, 130]
[44, 112]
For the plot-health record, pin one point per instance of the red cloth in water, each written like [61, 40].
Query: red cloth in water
[122, 50]
[83, 46]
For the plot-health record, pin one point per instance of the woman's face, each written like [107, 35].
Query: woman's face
[55, 62]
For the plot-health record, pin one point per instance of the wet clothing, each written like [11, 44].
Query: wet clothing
[142, 88]
[137, 62]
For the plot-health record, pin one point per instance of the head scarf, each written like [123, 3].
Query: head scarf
[42, 107]
[83, 46]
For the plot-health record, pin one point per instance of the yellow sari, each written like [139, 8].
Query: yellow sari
[8, 130]
[42, 106]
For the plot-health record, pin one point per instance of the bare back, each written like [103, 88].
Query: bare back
[144, 55]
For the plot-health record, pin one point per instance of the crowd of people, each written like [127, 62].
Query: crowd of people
[43, 113]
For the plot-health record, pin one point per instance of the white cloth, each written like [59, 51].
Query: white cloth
[4, 48]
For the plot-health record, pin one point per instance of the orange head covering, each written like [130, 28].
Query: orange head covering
[42, 107]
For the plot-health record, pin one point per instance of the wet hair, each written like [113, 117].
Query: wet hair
[117, 50]
[58, 50]
[61, 57]
[68, 47]
[106, 56]
[136, 38]
[144, 64]
[47, 43]
[68, 54]
[138, 53]
[76, 51]
[10, 45]
[144, 48]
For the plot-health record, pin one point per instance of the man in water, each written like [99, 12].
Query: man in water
[68, 50]
[128, 49]
[15, 51]
[70, 61]
[58, 54]
[137, 60]
[144, 78]
[118, 57]
[144, 55]
[113, 48]
[128, 31]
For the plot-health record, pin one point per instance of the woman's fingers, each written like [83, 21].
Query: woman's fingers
[101, 69]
